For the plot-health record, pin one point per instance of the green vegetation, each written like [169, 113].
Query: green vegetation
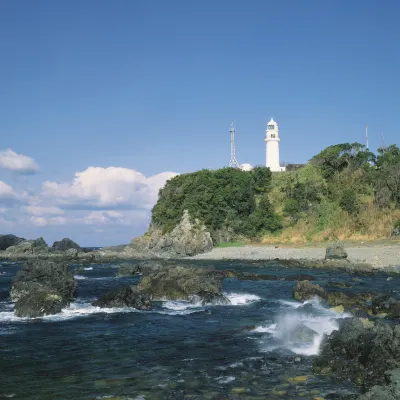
[227, 199]
[345, 191]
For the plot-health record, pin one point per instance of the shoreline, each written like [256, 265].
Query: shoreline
[378, 256]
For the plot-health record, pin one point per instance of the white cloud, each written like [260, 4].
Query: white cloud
[103, 188]
[7, 192]
[40, 211]
[43, 221]
[132, 217]
[17, 162]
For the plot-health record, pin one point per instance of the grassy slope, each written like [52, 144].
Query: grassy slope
[370, 224]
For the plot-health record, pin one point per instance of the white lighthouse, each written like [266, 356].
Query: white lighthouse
[272, 143]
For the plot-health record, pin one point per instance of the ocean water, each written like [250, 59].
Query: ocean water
[246, 350]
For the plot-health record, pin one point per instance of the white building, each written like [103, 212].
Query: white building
[246, 167]
[272, 151]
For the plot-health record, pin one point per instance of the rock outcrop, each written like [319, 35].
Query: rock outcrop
[7, 241]
[41, 288]
[124, 296]
[65, 244]
[28, 247]
[188, 238]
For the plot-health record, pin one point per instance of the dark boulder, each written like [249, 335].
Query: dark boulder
[7, 241]
[39, 302]
[65, 244]
[360, 352]
[177, 282]
[335, 251]
[305, 290]
[124, 296]
[36, 279]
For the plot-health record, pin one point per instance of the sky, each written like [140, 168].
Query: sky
[101, 102]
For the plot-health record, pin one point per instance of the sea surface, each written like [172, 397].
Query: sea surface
[245, 350]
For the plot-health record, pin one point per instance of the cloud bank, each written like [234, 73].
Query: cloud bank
[101, 200]
[107, 188]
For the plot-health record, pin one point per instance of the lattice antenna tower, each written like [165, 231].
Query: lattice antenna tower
[233, 162]
[366, 137]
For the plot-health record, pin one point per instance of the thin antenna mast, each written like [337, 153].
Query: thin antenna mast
[383, 141]
[233, 162]
[366, 136]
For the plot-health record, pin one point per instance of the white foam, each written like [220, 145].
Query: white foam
[88, 269]
[283, 330]
[225, 379]
[80, 277]
[102, 278]
[238, 299]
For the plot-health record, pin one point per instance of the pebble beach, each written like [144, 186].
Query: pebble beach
[377, 255]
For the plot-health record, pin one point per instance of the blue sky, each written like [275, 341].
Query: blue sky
[152, 86]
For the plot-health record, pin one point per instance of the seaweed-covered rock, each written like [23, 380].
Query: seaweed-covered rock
[7, 241]
[336, 251]
[179, 283]
[37, 279]
[66, 244]
[305, 290]
[124, 296]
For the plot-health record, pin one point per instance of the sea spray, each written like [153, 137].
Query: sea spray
[299, 328]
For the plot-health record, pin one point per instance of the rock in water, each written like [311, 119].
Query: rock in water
[360, 352]
[7, 241]
[124, 296]
[336, 251]
[305, 290]
[206, 298]
[180, 283]
[65, 244]
[39, 302]
[45, 284]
